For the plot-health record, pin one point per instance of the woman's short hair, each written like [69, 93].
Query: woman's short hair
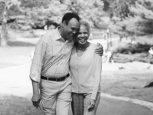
[86, 24]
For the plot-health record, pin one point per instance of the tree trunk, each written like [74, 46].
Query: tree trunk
[3, 41]
[3, 35]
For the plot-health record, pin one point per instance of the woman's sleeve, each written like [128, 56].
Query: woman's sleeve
[97, 66]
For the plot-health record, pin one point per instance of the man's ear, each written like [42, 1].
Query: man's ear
[64, 23]
[61, 24]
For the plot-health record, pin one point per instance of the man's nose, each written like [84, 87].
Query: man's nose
[74, 31]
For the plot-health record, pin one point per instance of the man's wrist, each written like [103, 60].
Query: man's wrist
[36, 96]
[36, 92]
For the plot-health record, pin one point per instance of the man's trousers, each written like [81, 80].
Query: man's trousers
[55, 97]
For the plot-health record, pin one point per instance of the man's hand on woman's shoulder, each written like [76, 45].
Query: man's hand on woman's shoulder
[99, 49]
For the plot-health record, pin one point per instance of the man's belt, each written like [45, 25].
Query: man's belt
[55, 79]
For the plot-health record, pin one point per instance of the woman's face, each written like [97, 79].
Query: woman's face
[83, 35]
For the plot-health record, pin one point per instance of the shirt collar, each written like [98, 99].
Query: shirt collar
[58, 36]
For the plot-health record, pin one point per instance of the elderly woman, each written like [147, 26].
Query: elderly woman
[85, 67]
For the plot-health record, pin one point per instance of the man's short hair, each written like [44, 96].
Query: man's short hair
[68, 16]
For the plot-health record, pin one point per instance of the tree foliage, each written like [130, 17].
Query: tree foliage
[91, 10]
[128, 17]
[6, 5]
[11, 7]
[137, 22]
[34, 3]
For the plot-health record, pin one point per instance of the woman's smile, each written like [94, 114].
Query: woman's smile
[82, 40]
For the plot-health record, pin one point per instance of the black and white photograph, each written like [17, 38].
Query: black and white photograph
[76, 57]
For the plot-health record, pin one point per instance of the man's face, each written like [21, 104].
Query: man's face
[71, 29]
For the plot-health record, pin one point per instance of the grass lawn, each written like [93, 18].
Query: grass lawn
[112, 83]
[13, 105]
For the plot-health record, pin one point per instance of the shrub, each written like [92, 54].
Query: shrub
[132, 52]
[132, 48]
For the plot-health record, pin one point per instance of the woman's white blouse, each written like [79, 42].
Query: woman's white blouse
[86, 71]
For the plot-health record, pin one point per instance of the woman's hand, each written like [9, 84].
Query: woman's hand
[92, 104]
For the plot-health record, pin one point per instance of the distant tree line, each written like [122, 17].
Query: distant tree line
[128, 18]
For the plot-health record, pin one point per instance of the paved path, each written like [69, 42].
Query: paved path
[15, 81]
[109, 106]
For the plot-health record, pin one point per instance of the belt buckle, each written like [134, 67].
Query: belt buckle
[57, 79]
[47, 78]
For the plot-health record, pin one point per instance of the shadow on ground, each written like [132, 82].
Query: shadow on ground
[19, 43]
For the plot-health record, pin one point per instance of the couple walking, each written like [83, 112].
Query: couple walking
[66, 69]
